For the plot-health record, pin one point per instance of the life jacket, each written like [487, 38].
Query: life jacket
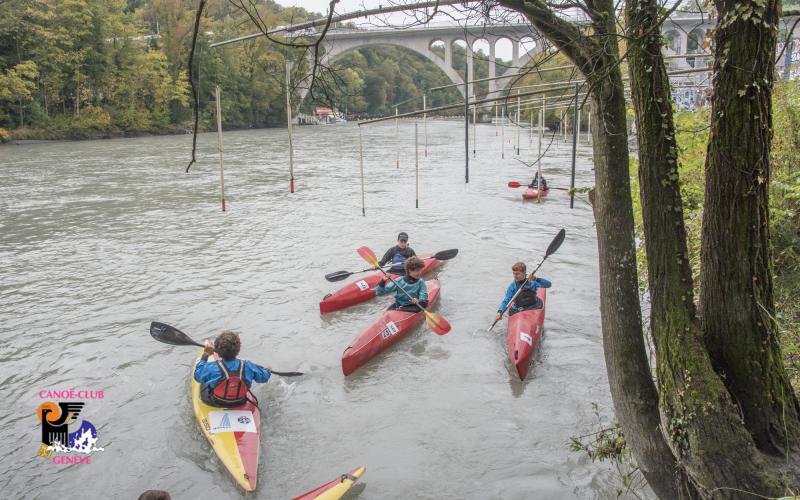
[527, 298]
[232, 389]
[398, 260]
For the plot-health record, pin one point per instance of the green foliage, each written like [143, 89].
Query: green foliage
[784, 206]
[607, 442]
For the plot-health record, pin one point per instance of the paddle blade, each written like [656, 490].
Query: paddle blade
[368, 255]
[446, 254]
[557, 241]
[170, 335]
[437, 323]
[287, 374]
[514, 184]
[338, 275]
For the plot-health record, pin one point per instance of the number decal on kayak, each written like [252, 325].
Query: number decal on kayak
[526, 338]
[205, 424]
[390, 330]
[362, 285]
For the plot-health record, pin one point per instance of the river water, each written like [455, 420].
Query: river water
[99, 238]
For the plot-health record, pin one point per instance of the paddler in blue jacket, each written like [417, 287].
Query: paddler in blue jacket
[397, 255]
[527, 298]
[412, 283]
[226, 382]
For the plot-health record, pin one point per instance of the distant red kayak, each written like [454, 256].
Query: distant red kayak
[362, 290]
[524, 333]
[385, 331]
[532, 194]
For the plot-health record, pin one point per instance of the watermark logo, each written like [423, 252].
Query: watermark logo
[64, 442]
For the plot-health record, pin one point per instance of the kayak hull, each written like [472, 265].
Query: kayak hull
[238, 451]
[532, 194]
[524, 333]
[336, 488]
[389, 328]
[362, 290]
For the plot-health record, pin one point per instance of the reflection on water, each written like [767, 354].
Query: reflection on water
[99, 238]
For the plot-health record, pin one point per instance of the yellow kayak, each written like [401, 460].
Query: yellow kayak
[233, 433]
[336, 488]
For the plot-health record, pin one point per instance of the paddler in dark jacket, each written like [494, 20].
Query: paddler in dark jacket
[226, 382]
[412, 283]
[538, 181]
[398, 254]
[527, 298]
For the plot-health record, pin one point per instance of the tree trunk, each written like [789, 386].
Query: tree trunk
[736, 299]
[702, 424]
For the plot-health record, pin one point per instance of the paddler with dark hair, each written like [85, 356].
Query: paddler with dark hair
[226, 382]
[412, 283]
[397, 255]
[527, 298]
[537, 182]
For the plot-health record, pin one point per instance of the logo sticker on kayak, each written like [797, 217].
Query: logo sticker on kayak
[362, 285]
[526, 338]
[390, 330]
[231, 421]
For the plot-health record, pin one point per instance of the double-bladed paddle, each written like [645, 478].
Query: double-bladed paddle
[551, 249]
[171, 335]
[340, 275]
[515, 184]
[435, 321]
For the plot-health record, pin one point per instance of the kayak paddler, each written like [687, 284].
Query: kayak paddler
[537, 181]
[226, 382]
[527, 298]
[412, 283]
[398, 254]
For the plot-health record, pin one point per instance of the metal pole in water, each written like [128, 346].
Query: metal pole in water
[219, 148]
[589, 129]
[466, 125]
[518, 123]
[539, 160]
[289, 125]
[502, 132]
[397, 135]
[496, 118]
[361, 167]
[425, 121]
[474, 124]
[416, 160]
[575, 120]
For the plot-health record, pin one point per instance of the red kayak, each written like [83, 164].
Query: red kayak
[385, 331]
[524, 333]
[532, 193]
[363, 289]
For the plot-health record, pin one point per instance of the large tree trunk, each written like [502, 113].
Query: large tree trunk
[736, 299]
[702, 424]
[632, 388]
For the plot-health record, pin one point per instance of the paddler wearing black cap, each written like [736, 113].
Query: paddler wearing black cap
[398, 254]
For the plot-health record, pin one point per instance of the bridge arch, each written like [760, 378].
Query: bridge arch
[342, 47]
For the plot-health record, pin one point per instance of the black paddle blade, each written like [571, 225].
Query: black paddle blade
[287, 374]
[170, 335]
[338, 275]
[557, 241]
[446, 254]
